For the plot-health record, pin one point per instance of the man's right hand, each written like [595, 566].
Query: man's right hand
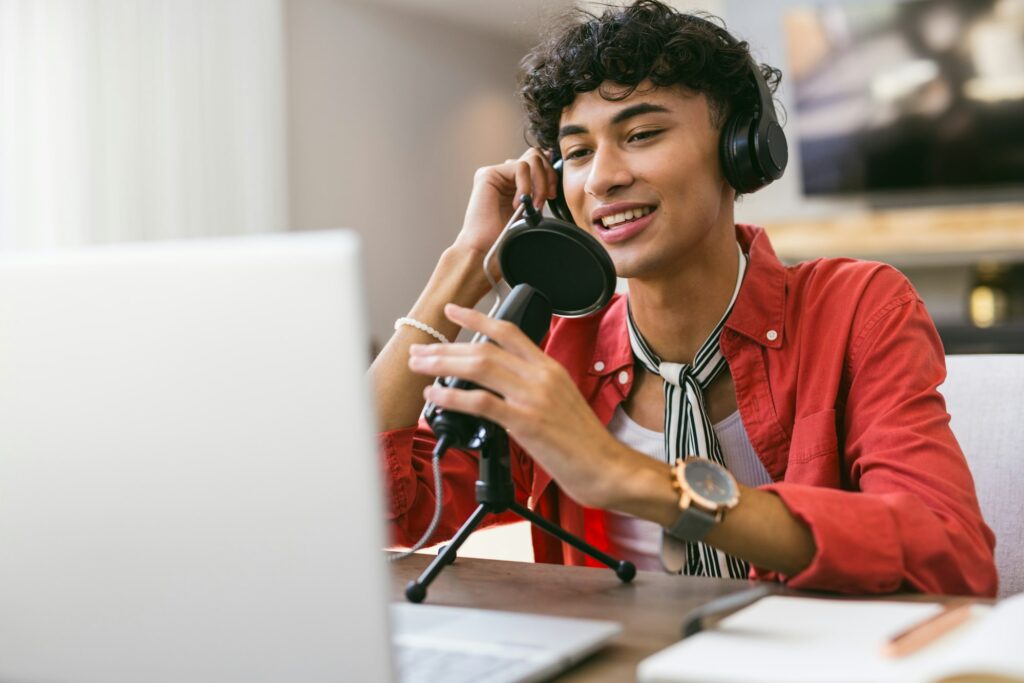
[496, 193]
[457, 278]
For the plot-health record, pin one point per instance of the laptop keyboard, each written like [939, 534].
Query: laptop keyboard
[430, 665]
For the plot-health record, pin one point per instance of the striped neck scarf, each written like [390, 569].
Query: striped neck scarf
[689, 432]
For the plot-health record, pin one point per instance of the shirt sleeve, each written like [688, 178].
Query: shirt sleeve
[909, 518]
[406, 456]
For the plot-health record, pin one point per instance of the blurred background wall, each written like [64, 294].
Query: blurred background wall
[391, 109]
[123, 120]
[155, 119]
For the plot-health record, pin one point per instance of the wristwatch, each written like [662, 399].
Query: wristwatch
[706, 491]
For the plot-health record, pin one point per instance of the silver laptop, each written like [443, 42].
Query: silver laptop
[188, 474]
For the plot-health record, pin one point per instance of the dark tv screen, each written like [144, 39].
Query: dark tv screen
[915, 95]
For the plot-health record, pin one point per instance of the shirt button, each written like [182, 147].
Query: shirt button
[623, 377]
[599, 366]
[772, 335]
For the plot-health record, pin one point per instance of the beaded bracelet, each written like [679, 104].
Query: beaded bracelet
[412, 322]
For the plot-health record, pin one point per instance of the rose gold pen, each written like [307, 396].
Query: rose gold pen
[924, 632]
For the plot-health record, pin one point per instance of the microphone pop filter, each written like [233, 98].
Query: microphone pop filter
[568, 266]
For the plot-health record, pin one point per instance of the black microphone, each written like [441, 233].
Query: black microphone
[529, 310]
[552, 267]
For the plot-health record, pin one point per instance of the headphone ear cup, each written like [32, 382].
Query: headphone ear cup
[737, 154]
[725, 153]
[559, 207]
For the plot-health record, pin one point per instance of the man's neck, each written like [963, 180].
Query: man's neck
[676, 313]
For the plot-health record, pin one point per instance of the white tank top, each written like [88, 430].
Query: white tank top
[639, 540]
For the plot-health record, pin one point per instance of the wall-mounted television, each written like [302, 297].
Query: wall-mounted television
[908, 96]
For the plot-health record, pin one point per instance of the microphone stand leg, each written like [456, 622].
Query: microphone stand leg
[495, 493]
[623, 569]
[416, 590]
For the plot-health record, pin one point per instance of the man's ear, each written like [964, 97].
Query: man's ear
[729, 193]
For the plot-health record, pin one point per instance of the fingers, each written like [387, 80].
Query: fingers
[511, 367]
[483, 364]
[505, 334]
[550, 175]
[496, 193]
[524, 181]
[542, 174]
[473, 402]
[511, 392]
[534, 176]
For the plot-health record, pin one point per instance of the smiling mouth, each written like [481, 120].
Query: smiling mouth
[622, 219]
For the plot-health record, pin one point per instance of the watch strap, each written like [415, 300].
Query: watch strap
[692, 525]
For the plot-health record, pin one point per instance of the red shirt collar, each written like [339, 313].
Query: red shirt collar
[761, 305]
[758, 312]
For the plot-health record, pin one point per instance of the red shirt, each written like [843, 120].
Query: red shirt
[836, 365]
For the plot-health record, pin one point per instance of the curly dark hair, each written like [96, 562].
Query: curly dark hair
[625, 46]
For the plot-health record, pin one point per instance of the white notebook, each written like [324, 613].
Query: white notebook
[808, 640]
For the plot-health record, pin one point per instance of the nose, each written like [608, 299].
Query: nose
[608, 173]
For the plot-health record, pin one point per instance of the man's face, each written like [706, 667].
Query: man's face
[642, 175]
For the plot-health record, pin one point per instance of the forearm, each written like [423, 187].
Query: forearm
[760, 529]
[458, 278]
[763, 531]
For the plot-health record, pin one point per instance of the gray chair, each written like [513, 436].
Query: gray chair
[985, 399]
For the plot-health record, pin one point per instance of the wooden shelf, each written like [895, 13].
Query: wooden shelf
[932, 236]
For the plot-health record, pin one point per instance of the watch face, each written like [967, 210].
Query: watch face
[710, 481]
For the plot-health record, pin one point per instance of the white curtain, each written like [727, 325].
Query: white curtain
[124, 120]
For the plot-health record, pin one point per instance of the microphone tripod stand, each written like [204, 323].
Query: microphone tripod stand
[495, 493]
[554, 267]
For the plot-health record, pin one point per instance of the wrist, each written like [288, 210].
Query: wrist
[458, 278]
[642, 487]
[460, 270]
[707, 491]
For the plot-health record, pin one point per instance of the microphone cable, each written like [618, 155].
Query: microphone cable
[439, 449]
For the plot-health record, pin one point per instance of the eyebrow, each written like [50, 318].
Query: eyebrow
[622, 115]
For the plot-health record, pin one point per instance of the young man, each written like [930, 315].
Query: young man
[808, 392]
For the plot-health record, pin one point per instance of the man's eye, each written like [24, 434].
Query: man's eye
[643, 135]
[577, 154]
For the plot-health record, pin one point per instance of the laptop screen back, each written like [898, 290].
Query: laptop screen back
[189, 485]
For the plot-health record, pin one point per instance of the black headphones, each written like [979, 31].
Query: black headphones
[752, 147]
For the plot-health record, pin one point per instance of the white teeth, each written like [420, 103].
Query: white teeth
[627, 215]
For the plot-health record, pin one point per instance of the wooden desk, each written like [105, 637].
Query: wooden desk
[651, 608]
